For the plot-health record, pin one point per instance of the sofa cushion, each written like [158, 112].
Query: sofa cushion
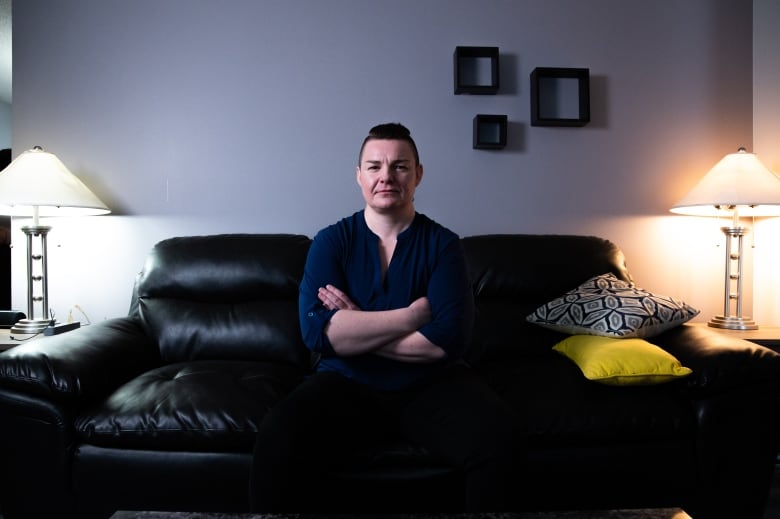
[201, 405]
[512, 274]
[561, 408]
[605, 305]
[230, 296]
[621, 362]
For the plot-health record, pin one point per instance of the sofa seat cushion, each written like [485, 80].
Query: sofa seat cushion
[198, 406]
[560, 406]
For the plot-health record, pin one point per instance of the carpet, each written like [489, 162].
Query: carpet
[657, 513]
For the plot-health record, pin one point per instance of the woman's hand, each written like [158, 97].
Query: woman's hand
[421, 311]
[334, 299]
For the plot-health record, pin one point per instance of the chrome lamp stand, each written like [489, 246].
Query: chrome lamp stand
[733, 279]
[33, 324]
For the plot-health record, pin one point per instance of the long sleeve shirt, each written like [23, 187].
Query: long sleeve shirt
[427, 261]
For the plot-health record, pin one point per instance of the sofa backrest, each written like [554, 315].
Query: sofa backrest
[235, 296]
[230, 296]
[514, 274]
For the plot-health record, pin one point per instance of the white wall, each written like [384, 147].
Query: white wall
[243, 115]
[766, 140]
[5, 125]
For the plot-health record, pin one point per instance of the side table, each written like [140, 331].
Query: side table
[767, 336]
[6, 342]
[9, 340]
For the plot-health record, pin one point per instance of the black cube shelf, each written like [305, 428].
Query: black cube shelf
[476, 70]
[489, 132]
[560, 96]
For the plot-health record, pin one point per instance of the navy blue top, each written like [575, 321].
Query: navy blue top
[427, 261]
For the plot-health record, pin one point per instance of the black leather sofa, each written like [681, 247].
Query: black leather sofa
[158, 410]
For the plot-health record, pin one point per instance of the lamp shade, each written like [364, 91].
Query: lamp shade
[738, 181]
[38, 182]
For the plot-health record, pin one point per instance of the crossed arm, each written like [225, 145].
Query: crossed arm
[389, 333]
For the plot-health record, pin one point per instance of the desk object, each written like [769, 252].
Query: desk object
[38, 184]
[58, 328]
[8, 318]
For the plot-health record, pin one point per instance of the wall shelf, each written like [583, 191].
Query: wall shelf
[489, 132]
[476, 70]
[560, 96]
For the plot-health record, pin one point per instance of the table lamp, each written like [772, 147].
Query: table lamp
[739, 185]
[38, 184]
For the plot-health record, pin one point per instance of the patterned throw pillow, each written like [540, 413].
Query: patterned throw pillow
[607, 306]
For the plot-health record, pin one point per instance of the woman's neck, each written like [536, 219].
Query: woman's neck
[388, 225]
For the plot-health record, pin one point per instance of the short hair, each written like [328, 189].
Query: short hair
[390, 132]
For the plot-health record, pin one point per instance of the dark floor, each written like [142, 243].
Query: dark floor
[773, 506]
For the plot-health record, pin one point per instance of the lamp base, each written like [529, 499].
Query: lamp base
[732, 323]
[31, 326]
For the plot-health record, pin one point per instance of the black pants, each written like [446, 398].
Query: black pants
[455, 416]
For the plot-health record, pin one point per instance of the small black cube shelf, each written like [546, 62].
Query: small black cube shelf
[476, 70]
[560, 96]
[489, 132]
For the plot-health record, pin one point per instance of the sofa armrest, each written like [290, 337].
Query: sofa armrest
[720, 362]
[86, 362]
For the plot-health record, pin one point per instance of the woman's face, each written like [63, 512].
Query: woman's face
[388, 175]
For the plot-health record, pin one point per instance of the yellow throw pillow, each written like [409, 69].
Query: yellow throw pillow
[621, 362]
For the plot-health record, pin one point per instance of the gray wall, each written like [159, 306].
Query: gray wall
[766, 137]
[244, 115]
[5, 125]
